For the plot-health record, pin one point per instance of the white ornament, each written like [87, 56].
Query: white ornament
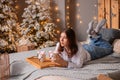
[52, 56]
[41, 56]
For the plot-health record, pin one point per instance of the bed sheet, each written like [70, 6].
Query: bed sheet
[22, 70]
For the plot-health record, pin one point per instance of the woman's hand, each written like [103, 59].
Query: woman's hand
[60, 61]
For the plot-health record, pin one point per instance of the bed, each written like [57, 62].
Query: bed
[22, 70]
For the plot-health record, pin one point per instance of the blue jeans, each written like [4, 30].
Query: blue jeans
[98, 47]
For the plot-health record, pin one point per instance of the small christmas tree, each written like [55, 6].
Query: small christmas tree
[8, 25]
[37, 27]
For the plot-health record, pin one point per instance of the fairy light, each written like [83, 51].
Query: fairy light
[17, 7]
[78, 16]
[67, 17]
[16, 1]
[77, 4]
[56, 8]
[67, 7]
[49, 7]
[81, 21]
[94, 17]
[58, 31]
[95, 6]
[67, 13]
[58, 20]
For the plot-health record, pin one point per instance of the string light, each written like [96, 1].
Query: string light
[78, 16]
[17, 7]
[94, 17]
[67, 17]
[67, 13]
[67, 7]
[78, 4]
[58, 31]
[95, 5]
[81, 21]
[58, 20]
[56, 8]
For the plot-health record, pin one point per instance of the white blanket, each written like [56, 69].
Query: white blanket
[22, 70]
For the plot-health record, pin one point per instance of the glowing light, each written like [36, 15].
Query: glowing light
[58, 20]
[68, 23]
[95, 5]
[58, 31]
[78, 4]
[67, 7]
[56, 8]
[49, 7]
[78, 16]
[94, 17]
[67, 17]
[68, 26]
[81, 22]
[17, 7]
[16, 0]
[67, 13]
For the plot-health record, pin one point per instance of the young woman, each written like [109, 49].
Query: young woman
[72, 54]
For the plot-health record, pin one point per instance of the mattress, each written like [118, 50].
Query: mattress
[22, 70]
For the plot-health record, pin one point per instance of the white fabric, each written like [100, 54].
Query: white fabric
[78, 59]
[116, 46]
[108, 65]
[53, 78]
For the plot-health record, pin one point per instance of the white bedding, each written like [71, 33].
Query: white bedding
[21, 70]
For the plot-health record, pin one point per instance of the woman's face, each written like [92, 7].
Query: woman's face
[63, 40]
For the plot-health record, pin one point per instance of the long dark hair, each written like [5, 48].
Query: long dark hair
[72, 41]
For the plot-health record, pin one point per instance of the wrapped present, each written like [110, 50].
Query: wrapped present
[4, 66]
[25, 48]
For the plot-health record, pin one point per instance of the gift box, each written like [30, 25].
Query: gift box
[25, 48]
[4, 66]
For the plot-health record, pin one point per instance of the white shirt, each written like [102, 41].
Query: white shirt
[78, 59]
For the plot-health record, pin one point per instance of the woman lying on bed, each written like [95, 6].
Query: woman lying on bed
[72, 54]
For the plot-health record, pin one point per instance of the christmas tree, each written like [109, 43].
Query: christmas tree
[8, 27]
[37, 27]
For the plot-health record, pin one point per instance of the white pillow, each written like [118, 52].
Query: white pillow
[116, 46]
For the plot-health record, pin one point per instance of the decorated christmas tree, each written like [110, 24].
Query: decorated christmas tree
[8, 27]
[37, 27]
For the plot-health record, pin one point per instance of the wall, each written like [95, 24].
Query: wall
[82, 12]
[80, 15]
[58, 12]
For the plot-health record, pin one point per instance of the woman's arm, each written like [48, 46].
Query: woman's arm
[61, 61]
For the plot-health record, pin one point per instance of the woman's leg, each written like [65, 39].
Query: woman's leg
[100, 25]
[90, 27]
[96, 51]
[98, 47]
[98, 41]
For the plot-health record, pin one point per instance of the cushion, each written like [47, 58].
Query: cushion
[116, 46]
[110, 34]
